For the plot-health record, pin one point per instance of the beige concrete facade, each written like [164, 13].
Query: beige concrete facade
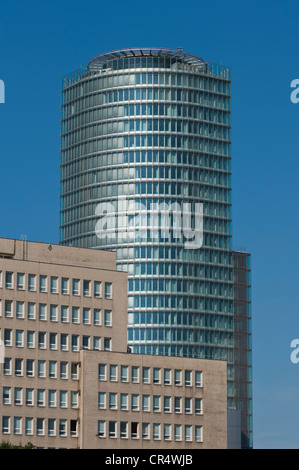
[63, 312]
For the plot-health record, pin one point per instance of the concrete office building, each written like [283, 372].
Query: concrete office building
[145, 142]
[67, 379]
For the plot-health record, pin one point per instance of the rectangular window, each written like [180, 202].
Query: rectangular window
[17, 425]
[19, 367]
[112, 429]
[74, 370]
[97, 289]
[7, 366]
[41, 340]
[86, 288]
[112, 401]
[113, 373]
[63, 370]
[29, 426]
[167, 429]
[177, 377]
[41, 397]
[64, 313]
[156, 375]
[102, 400]
[52, 398]
[96, 343]
[96, 316]
[198, 406]
[18, 396]
[123, 430]
[177, 404]
[145, 403]
[156, 431]
[167, 404]
[146, 375]
[30, 368]
[41, 369]
[167, 373]
[102, 371]
[76, 287]
[53, 313]
[29, 396]
[5, 424]
[8, 308]
[124, 373]
[51, 426]
[177, 432]
[188, 409]
[30, 339]
[85, 342]
[198, 433]
[188, 435]
[53, 341]
[63, 342]
[135, 374]
[107, 344]
[156, 403]
[86, 316]
[54, 285]
[198, 378]
[134, 430]
[40, 423]
[42, 312]
[20, 281]
[31, 282]
[64, 285]
[188, 376]
[74, 427]
[63, 399]
[75, 342]
[31, 311]
[74, 399]
[108, 318]
[135, 402]
[6, 399]
[7, 337]
[145, 431]
[20, 309]
[101, 429]
[124, 401]
[75, 314]
[52, 369]
[62, 427]
[43, 283]
[8, 280]
[108, 290]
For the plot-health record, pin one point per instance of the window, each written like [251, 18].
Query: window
[29, 396]
[198, 433]
[86, 288]
[96, 343]
[54, 285]
[74, 427]
[107, 344]
[52, 370]
[63, 370]
[7, 366]
[167, 404]
[52, 398]
[43, 283]
[157, 376]
[112, 429]
[31, 311]
[42, 312]
[146, 375]
[20, 309]
[75, 342]
[7, 337]
[102, 400]
[75, 314]
[167, 429]
[188, 405]
[64, 285]
[167, 376]
[156, 431]
[112, 401]
[31, 282]
[74, 399]
[5, 424]
[124, 373]
[74, 371]
[20, 281]
[97, 289]
[18, 396]
[40, 422]
[177, 377]
[30, 368]
[62, 427]
[145, 403]
[64, 314]
[124, 401]
[123, 430]
[8, 280]
[53, 340]
[101, 429]
[135, 374]
[6, 399]
[17, 422]
[8, 308]
[41, 397]
[51, 426]
[41, 340]
[188, 435]
[41, 369]
[63, 342]
[102, 371]
[19, 338]
[53, 313]
[86, 316]
[19, 366]
[177, 404]
[85, 342]
[63, 399]
[96, 316]
[156, 403]
[188, 375]
[198, 378]
[177, 432]
[29, 426]
[134, 402]
[108, 290]
[145, 431]
[76, 287]
[113, 373]
[198, 406]
[108, 318]
[30, 339]
[134, 430]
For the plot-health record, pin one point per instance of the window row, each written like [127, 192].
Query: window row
[54, 341]
[148, 375]
[40, 397]
[55, 285]
[148, 403]
[135, 430]
[55, 313]
[41, 368]
[30, 426]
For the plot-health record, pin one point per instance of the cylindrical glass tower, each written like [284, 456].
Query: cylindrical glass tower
[145, 137]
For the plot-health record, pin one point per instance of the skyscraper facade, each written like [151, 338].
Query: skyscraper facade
[146, 171]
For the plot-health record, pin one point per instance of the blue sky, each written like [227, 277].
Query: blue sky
[42, 41]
